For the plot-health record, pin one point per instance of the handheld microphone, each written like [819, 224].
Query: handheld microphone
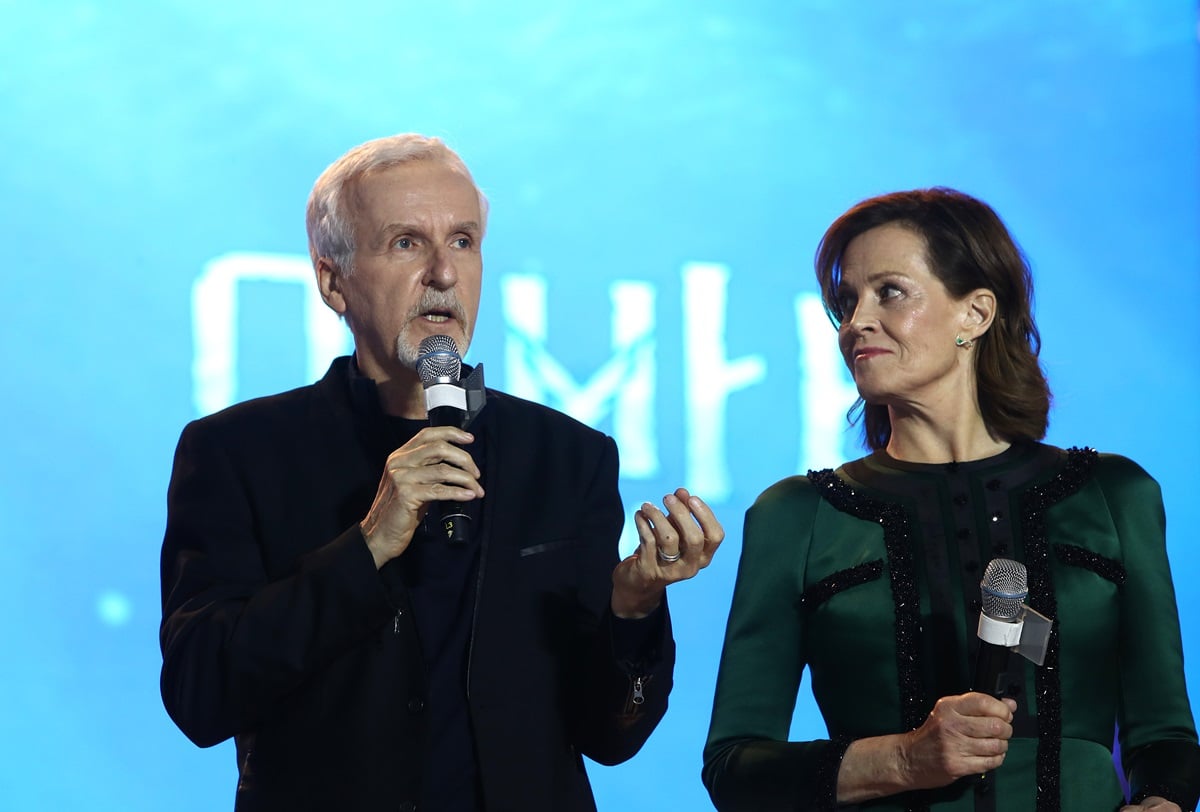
[1004, 587]
[440, 367]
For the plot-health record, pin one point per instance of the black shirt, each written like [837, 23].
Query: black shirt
[439, 578]
[440, 581]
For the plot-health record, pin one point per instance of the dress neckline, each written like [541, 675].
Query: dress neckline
[883, 460]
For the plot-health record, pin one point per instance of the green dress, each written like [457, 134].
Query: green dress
[869, 577]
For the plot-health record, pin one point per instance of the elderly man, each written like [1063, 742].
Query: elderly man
[360, 660]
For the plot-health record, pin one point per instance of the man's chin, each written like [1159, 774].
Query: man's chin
[409, 342]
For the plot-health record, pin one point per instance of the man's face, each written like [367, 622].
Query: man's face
[417, 264]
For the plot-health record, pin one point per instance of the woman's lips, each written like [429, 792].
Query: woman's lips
[864, 353]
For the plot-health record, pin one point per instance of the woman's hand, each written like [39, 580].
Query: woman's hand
[963, 735]
[1153, 802]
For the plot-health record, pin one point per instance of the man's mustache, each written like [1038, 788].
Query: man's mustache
[440, 301]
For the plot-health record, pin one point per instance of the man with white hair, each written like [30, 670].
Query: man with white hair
[360, 660]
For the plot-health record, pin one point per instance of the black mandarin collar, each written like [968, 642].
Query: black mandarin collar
[376, 429]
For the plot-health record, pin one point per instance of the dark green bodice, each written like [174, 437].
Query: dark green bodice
[869, 577]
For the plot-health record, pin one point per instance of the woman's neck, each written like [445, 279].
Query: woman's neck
[922, 437]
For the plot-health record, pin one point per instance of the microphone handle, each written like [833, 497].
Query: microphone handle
[448, 416]
[452, 519]
[992, 678]
[454, 522]
[991, 670]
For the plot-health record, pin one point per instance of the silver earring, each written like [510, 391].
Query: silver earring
[966, 343]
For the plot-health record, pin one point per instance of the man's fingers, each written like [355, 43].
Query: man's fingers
[714, 533]
[448, 434]
[658, 535]
[434, 461]
[700, 532]
[685, 529]
[441, 481]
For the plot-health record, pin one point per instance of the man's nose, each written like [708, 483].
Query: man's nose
[441, 273]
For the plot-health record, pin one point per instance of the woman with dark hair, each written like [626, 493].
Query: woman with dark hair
[869, 575]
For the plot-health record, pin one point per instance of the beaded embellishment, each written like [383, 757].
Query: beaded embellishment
[827, 772]
[1034, 504]
[902, 574]
[897, 541]
[1105, 567]
[826, 588]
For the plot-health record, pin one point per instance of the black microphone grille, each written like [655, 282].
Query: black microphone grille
[438, 359]
[1004, 587]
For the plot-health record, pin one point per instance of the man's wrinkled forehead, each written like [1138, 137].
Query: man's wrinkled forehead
[353, 190]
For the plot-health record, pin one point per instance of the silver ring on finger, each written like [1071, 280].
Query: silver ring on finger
[668, 559]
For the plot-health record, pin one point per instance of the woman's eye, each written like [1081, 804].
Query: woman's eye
[889, 292]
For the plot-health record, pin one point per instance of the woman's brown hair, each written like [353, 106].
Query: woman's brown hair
[968, 248]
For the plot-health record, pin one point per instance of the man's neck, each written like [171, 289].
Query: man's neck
[401, 393]
[402, 398]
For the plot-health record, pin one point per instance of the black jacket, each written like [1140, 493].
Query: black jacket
[278, 630]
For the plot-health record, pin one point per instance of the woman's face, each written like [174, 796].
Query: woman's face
[899, 323]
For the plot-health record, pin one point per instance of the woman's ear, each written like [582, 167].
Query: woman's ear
[979, 312]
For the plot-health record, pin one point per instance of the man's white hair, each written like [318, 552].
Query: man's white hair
[330, 218]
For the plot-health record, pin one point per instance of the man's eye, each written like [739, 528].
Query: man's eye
[462, 242]
[403, 243]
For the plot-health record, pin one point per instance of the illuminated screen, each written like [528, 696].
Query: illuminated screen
[659, 175]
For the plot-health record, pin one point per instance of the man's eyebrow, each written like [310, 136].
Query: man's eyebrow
[465, 225]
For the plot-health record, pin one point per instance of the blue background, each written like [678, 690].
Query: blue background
[616, 141]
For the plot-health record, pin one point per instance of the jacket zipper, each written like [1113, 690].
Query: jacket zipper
[637, 692]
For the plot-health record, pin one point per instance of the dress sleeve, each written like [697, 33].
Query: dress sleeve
[235, 643]
[1156, 728]
[748, 762]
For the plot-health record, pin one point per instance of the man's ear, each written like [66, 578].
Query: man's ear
[979, 313]
[329, 282]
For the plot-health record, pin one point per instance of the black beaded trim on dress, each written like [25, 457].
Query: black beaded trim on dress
[827, 773]
[841, 580]
[1034, 504]
[902, 574]
[1105, 567]
[1167, 768]
[1161, 790]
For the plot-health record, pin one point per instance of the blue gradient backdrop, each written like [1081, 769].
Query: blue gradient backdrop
[617, 141]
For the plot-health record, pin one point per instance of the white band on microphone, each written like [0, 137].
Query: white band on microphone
[999, 632]
[445, 394]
